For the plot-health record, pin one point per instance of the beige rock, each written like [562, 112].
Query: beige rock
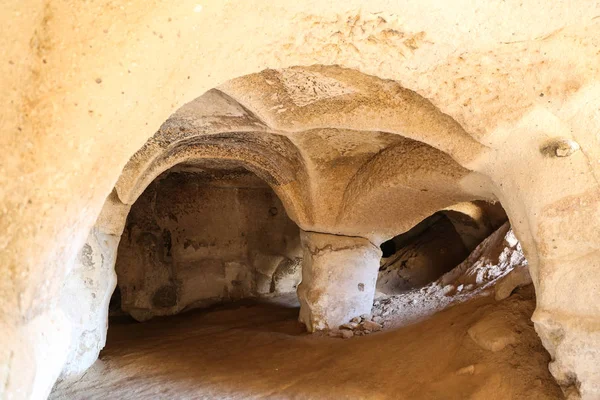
[518, 277]
[347, 334]
[468, 370]
[492, 333]
[370, 326]
[398, 111]
[349, 326]
[338, 279]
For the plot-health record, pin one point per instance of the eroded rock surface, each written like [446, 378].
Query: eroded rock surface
[84, 299]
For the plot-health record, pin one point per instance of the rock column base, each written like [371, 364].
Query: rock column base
[339, 274]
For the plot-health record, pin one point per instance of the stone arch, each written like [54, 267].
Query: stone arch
[321, 96]
[281, 173]
[286, 153]
[216, 126]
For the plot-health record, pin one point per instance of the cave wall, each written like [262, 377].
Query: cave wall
[85, 298]
[193, 239]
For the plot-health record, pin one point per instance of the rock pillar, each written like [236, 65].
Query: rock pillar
[339, 274]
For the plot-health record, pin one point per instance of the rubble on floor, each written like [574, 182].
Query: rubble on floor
[496, 267]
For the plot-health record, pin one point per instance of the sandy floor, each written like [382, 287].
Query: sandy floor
[256, 351]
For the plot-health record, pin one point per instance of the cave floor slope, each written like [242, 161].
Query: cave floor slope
[254, 350]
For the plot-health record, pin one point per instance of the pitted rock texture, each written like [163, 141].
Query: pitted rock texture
[85, 297]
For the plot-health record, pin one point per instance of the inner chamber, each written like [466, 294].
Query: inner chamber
[203, 233]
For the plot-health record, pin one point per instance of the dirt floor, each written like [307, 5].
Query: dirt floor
[260, 351]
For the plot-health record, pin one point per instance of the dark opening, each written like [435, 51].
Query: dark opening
[435, 246]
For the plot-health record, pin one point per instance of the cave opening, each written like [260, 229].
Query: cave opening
[436, 245]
